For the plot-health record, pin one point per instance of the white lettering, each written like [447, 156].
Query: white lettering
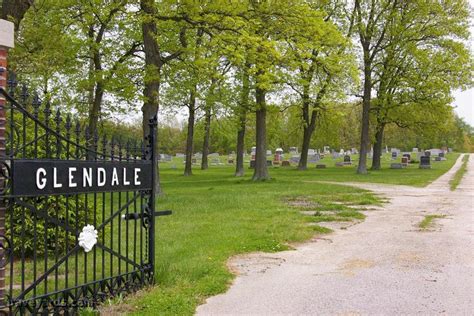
[71, 177]
[55, 179]
[40, 178]
[125, 182]
[115, 180]
[87, 177]
[137, 170]
[100, 177]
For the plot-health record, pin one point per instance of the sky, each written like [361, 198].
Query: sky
[464, 100]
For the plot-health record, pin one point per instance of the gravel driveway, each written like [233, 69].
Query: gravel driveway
[383, 266]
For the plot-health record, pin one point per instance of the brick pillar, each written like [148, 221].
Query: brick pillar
[6, 42]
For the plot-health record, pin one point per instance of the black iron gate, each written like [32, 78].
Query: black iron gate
[79, 222]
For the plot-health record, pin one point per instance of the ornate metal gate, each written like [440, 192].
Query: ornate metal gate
[79, 222]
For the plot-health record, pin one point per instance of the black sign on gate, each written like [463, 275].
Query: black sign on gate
[40, 177]
[80, 211]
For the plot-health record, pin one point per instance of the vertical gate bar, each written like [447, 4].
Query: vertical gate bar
[23, 152]
[76, 210]
[6, 42]
[86, 197]
[36, 103]
[112, 153]
[135, 150]
[154, 161]
[142, 217]
[66, 231]
[104, 153]
[94, 269]
[119, 228]
[127, 157]
[47, 112]
[56, 229]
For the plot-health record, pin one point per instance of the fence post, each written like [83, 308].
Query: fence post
[6, 42]
[153, 157]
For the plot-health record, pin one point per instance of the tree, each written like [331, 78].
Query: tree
[14, 10]
[416, 73]
[242, 110]
[155, 58]
[320, 69]
[371, 20]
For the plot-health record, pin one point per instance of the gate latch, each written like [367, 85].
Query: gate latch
[135, 216]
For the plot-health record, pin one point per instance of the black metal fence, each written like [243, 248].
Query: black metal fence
[79, 222]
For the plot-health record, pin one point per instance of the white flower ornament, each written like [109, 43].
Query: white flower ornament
[88, 238]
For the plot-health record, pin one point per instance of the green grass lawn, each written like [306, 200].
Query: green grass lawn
[216, 216]
[456, 180]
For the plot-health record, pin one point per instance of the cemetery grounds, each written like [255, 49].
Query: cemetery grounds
[217, 216]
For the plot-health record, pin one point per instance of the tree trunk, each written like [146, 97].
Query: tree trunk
[261, 170]
[307, 133]
[96, 107]
[153, 64]
[364, 135]
[308, 128]
[376, 165]
[244, 102]
[14, 10]
[207, 132]
[239, 167]
[189, 138]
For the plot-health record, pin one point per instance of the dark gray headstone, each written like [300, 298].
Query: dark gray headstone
[428, 153]
[425, 162]
[441, 154]
[252, 164]
[347, 158]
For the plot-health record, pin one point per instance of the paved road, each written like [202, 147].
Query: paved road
[383, 266]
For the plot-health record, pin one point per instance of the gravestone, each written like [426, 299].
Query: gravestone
[269, 163]
[215, 161]
[404, 161]
[340, 164]
[252, 164]
[347, 160]
[313, 158]
[285, 163]
[230, 161]
[441, 154]
[414, 150]
[320, 166]
[396, 165]
[335, 155]
[394, 155]
[295, 159]
[408, 156]
[427, 153]
[425, 162]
